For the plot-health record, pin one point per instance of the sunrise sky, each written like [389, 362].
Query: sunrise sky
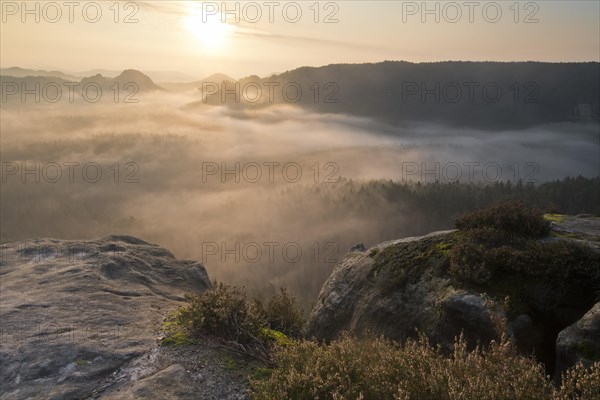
[191, 38]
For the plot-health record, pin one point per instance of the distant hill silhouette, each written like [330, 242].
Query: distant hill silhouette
[24, 72]
[130, 82]
[158, 76]
[490, 95]
[484, 95]
[144, 82]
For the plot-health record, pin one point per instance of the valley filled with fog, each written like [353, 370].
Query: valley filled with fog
[266, 197]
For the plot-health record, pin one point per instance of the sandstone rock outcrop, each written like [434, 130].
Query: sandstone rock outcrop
[400, 287]
[75, 312]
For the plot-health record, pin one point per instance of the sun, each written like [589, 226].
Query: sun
[209, 29]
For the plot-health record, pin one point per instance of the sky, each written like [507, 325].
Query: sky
[242, 38]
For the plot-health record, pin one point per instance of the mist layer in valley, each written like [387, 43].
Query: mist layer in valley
[266, 197]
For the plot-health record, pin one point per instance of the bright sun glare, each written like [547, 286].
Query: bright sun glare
[209, 29]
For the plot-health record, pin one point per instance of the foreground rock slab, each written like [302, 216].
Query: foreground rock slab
[74, 312]
[204, 370]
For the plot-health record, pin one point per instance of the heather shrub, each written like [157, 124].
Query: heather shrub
[282, 314]
[511, 217]
[511, 259]
[491, 236]
[580, 383]
[505, 238]
[563, 262]
[225, 312]
[468, 264]
[379, 369]
[562, 259]
[222, 311]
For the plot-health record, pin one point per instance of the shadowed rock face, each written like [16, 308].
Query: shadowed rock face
[74, 312]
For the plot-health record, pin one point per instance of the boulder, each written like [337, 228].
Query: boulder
[402, 287]
[580, 342]
[361, 297]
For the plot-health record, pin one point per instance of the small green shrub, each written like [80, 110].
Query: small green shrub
[276, 337]
[176, 338]
[554, 217]
[510, 217]
[443, 248]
